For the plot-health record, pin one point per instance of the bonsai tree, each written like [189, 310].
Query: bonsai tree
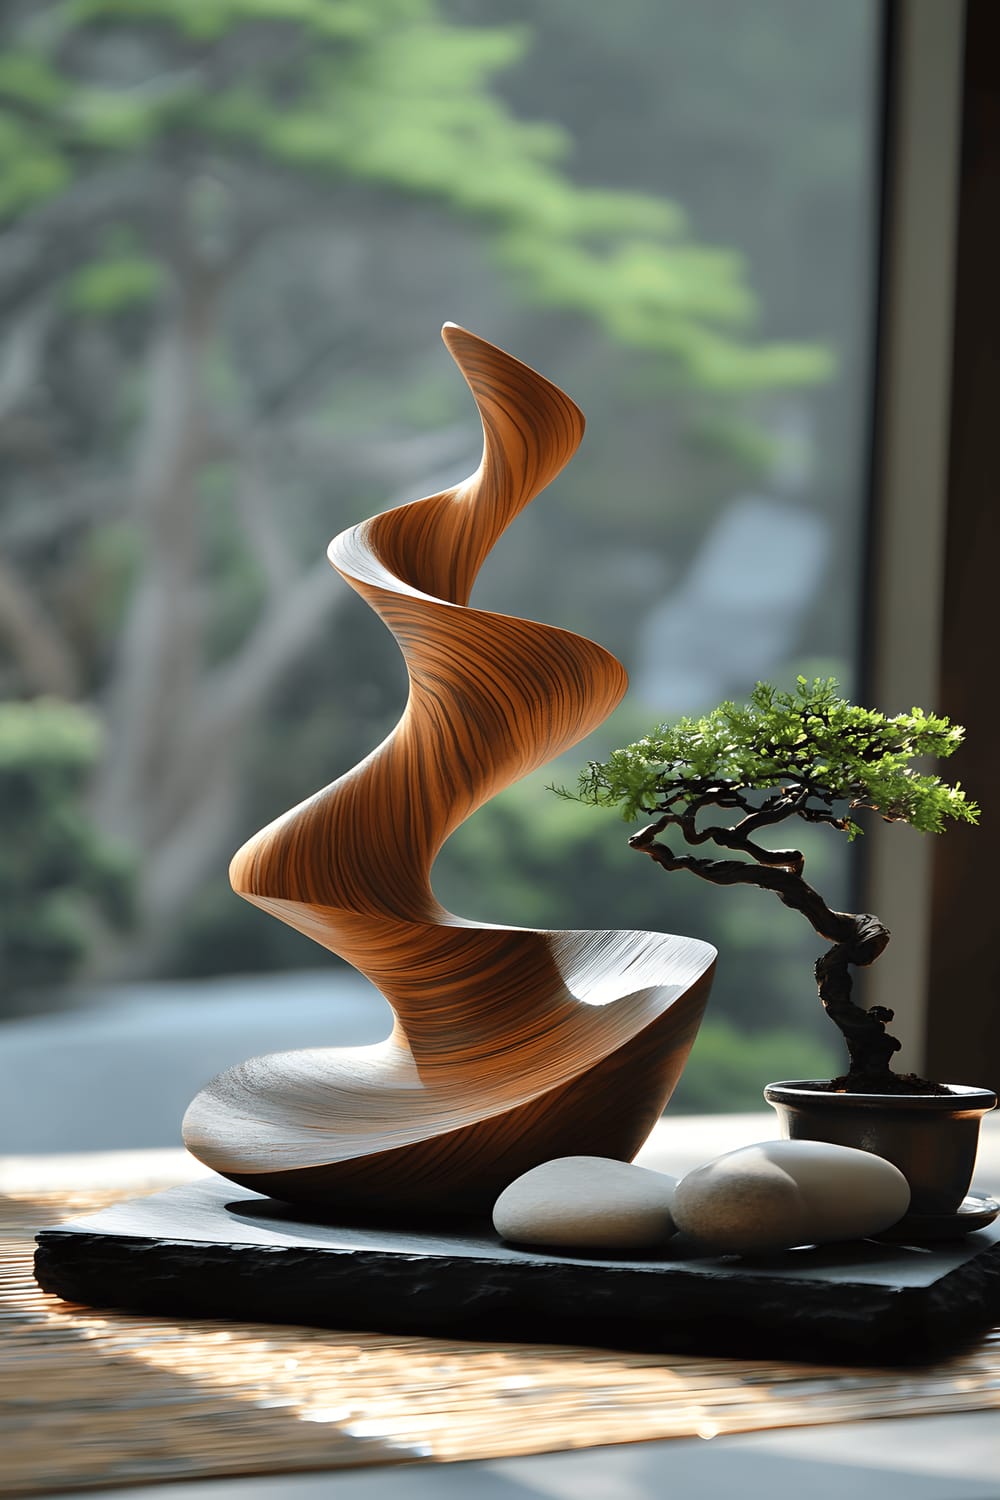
[808, 754]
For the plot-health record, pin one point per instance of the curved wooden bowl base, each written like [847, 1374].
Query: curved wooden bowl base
[510, 1046]
[607, 1111]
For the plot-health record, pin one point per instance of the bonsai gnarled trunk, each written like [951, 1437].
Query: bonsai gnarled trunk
[857, 939]
[870, 1047]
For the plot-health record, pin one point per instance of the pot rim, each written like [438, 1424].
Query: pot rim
[962, 1097]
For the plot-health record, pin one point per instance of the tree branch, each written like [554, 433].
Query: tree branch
[44, 657]
[159, 647]
[22, 358]
[789, 887]
[737, 837]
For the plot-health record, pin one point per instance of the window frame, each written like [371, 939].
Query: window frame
[933, 531]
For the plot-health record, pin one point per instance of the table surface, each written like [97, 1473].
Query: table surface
[202, 1398]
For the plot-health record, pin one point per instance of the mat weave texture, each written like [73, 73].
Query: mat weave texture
[89, 1398]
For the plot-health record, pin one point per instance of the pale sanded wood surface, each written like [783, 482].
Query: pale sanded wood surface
[510, 1046]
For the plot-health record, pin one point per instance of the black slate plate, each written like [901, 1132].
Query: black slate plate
[215, 1250]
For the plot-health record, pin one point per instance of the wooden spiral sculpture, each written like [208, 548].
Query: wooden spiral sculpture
[510, 1046]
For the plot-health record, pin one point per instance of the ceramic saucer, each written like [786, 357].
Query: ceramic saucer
[974, 1212]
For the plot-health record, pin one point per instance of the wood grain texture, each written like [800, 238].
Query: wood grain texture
[510, 1046]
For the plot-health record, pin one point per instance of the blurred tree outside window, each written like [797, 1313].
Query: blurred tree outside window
[229, 233]
[59, 878]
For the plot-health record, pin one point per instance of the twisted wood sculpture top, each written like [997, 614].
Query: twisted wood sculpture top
[510, 1046]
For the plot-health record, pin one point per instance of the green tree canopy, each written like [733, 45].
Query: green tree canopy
[376, 94]
[58, 875]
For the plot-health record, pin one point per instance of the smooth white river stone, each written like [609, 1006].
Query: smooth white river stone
[587, 1203]
[785, 1193]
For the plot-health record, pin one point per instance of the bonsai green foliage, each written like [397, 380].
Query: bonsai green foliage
[807, 754]
[58, 877]
[813, 751]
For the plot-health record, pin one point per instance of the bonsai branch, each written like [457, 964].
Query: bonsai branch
[857, 939]
[788, 886]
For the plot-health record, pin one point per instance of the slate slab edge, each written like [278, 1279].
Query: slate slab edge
[725, 1307]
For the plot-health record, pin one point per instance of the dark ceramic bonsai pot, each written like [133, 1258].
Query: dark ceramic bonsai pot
[931, 1138]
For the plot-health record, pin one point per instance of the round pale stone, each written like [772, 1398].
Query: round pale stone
[785, 1193]
[587, 1203]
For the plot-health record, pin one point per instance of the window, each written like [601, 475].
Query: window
[222, 299]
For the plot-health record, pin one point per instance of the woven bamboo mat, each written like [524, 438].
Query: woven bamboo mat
[91, 1398]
